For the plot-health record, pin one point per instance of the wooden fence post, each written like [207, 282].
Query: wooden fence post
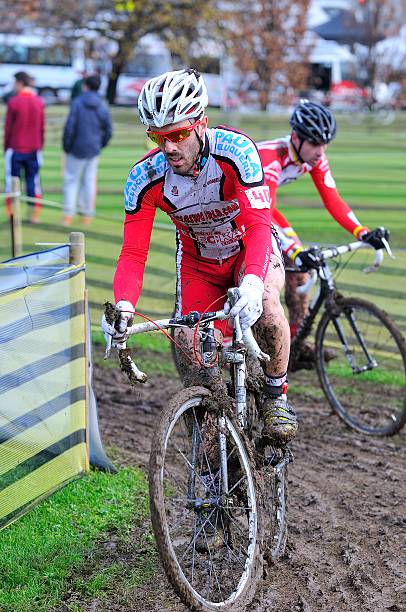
[77, 248]
[16, 230]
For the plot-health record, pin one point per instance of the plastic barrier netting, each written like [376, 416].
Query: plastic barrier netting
[43, 381]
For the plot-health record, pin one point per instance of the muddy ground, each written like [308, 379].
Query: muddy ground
[347, 517]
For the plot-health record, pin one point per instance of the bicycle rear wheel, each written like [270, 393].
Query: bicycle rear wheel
[365, 381]
[276, 503]
[272, 463]
[204, 507]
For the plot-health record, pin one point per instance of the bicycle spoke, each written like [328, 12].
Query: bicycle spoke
[232, 552]
[213, 545]
[191, 467]
[180, 521]
[234, 522]
[236, 484]
[194, 537]
[211, 562]
[201, 438]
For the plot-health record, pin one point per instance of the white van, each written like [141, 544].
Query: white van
[53, 68]
[150, 58]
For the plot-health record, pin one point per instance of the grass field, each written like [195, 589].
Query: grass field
[368, 162]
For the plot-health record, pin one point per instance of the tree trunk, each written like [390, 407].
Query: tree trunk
[125, 48]
[116, 70]
[263, 99]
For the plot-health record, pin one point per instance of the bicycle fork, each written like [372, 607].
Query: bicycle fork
[371, 362]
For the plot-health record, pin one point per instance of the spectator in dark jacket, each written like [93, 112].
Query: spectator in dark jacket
[24, 140]
[87, 130]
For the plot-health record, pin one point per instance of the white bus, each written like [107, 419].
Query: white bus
[54, 69]
[151, 58]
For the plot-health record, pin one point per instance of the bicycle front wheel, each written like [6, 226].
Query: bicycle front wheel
[204, 507]
[361, 363]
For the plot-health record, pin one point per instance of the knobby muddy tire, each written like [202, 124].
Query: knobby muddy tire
[385, 322]
[276, 543]
[274, 533]
[159, 520]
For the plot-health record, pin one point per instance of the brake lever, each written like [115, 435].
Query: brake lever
[233, 296]
[388, 249]
[109, 341]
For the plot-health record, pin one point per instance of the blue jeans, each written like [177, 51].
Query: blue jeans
[30, 163]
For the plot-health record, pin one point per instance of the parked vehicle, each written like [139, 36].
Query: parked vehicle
[150, 58]
[54, 68]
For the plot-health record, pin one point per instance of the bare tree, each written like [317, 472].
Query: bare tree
[380, 19]
[177, 22]
[269, 42]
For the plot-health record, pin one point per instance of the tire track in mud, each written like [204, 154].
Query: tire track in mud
[347, 518]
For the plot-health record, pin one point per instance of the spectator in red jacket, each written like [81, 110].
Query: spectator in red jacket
[24, 141]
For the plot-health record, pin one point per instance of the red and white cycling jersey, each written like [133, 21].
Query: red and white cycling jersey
[223, 211]
[281, 166]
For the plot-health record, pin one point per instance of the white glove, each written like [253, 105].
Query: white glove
[249, 305]
[119, 336]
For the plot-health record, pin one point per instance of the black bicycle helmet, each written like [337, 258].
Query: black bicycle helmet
[313, 122]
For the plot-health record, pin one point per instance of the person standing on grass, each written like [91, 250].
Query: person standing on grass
[286, 159]
[24, 130]
[87, 130]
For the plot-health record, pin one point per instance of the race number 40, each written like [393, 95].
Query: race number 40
[259, 197]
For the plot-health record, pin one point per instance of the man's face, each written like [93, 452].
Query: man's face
[182, 155]
[309, 152]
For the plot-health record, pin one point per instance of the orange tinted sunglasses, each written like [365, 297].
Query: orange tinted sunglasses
[173, 135]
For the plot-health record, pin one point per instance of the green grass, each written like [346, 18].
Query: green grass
[44, 554]
[377, 376]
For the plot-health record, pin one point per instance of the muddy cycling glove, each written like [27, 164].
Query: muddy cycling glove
[118, 330]
[249, 303]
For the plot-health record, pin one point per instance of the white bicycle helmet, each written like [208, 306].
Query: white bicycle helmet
[172, 97]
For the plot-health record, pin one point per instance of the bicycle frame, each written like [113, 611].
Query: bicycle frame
[326, 294]
[235, 356]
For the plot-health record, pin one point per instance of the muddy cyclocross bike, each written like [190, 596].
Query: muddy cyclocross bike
[360, 352]
[218, 494]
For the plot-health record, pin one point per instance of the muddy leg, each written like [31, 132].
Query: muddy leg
[191, 372]
[297, 304]
[272, 329]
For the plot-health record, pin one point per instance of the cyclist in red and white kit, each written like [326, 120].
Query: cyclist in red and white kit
[210, 182]
[286, 159]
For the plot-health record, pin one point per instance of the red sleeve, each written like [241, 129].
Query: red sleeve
[42, 125]
[8, 126]
[336, 206]
[256, 218]
[129, 273]
[279, 219]
[272, 171]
